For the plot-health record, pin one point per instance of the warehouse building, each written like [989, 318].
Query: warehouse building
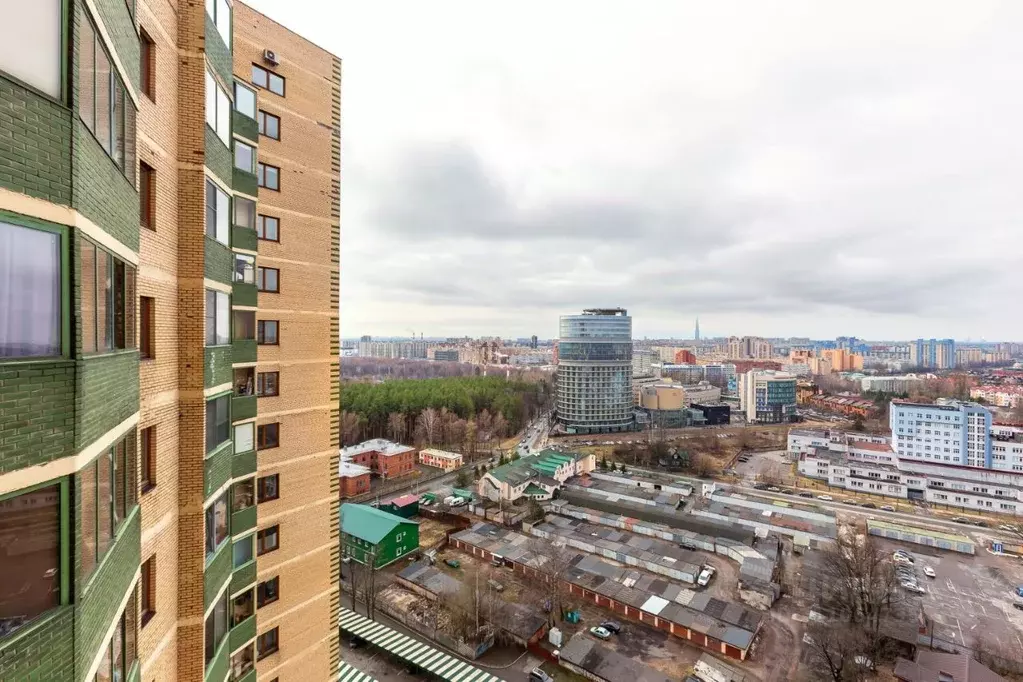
[368, 534]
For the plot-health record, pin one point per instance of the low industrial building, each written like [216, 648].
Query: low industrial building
[370, 534]
[918, 535]
[440, 458]
[383, 457]
[714, 414]
[588, 657]
[405, 506]
[535, 477]
[724, 627]
[765, 521]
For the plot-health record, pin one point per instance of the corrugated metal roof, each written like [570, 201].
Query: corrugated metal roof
[369, 523]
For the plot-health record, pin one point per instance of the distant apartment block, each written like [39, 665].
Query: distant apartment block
[891, 384]
[440, 459]
[969, 357]
[395, 350]
[953, 432]
[933, 353]
[749, 347]
[642, 362]
[767, 396]
[999, 396]
[841, 360]
[443, 354]
[382, 457]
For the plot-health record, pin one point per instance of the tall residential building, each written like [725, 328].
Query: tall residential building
[951, 432]
[594, 371]
[841, 360]
[749, 347]
[168, 401]
[767, 396]
[933, 353]
[642, 362]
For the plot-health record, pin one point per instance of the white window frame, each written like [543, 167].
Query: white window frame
[238, 106]
[220, 14]
[218, 109]
[221, 230]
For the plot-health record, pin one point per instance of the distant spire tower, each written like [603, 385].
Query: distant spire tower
[697, 333]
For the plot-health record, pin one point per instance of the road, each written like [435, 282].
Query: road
[534, 436]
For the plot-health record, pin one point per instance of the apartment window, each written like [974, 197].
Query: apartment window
[147, 196]
[30, 561]
[31, 293]
[267, 436]
[107, 490]
[147, 327]
[266, 332]
[147, 62]
[218, 214]
[243, 495]
[268, 591]
[244, 330]
[218, 422]
[218, 318]
[244, 157]
[244, 212]
[102, 104]
[220, 15]
[242, 662]
[268, 177]
[242, 551]
[30, 48]
[267, 488]
[148, 590]
[244, 100]
[266, 643]
[268, 228]
[147, 458]
[216, 525]
[218, 109]
[268, 80]
[108, 300]
[244, 437]
[120, 653]
[268, 280]
[269, 125]
[244, 268]
[216, 627]
[267, 540]
[268, 384]
[242, 607]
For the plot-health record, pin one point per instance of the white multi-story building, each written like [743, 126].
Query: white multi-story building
[863, 463]
[952, 432]
[891, 384]
[767, 397]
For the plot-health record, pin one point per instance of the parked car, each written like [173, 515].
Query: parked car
[825, 498]
[869, 505]
[760, 486]
[959, 519]
[537, 675]
[453, 563]
[805, 494]
[914, 588]
[600, 633]
[1007, 528]
[887, 507]
[774, 489]
[980, 524]
[929, 572]
[612, 626]
[705, 575]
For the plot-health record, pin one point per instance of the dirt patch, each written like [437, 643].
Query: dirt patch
[432, 532]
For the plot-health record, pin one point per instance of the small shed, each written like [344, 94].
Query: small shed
[405, 506]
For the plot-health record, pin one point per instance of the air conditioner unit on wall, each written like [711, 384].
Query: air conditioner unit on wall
[271, 57]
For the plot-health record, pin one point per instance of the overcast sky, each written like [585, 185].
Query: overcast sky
[778, 168]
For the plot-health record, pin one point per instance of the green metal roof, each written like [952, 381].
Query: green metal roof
[347, 673]
[534, 490]
[368, 523]
[420, 654]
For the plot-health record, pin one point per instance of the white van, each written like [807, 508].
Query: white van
[705, 575]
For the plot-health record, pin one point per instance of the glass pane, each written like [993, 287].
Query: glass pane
[242, 551]
[130, 474]
[244, 269]
[271, 279]
[223, 319]
[130, 652]
[29, 556]
[105, 300]
[117, 309]
[223, 218]
[211, 317]
[244, 212]
[211, 101]
[86, 491]
[276, 84]
[272, 180]
[244, 324]
[87, 74]
[273, 127]
[119, 481]
[244, 157]
[118, 123]
[244, 100]
[243, 495]
[103, 673]
[242, 607]
[271, 228]
[211, 209]
[224, 21]
[129, 305]
[103, 97]
[242, 662]
[220, 618]
[117, 652]
[30, 292]
[104, 504]
[223, 117]
[243, 437]
[258, 76]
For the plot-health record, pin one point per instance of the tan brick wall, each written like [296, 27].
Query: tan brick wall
[306, 307]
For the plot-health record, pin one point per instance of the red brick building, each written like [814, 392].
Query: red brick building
[685, 357]
[382, 457]
[353, 478]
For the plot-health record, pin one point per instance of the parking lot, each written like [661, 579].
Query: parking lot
[970, 596]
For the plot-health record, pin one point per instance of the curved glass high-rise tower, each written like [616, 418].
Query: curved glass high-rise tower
[595, 371]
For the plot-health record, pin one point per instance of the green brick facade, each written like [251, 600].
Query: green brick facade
[217, 470]
[35, 144]
[108, 393]
[43, 651]
[219, 54]
[218, 571]
[37, 413]
[219, 264]
[218, 157]
[217, 365]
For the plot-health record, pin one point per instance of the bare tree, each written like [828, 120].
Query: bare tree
[702, 465]
[551, 559]
[499, 425]
[839, 650]
[470, 438]
[471, 610]
[427, 425]
[396, 426]
[484, 426]
[773, 474]
[351, 428]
